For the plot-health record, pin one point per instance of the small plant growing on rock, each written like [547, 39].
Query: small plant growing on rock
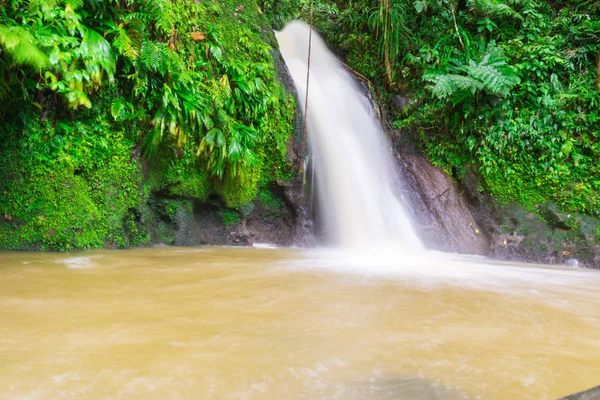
[230, 218]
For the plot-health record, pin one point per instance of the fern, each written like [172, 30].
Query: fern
[496, 76]
[160, 12]
[154, 57]
[448, 84]
[126, 44]
[74, 4]
[492, 74]
[493, 7]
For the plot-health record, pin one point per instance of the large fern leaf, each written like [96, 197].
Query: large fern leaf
[446, 85]
[492, 74]
[493, 7]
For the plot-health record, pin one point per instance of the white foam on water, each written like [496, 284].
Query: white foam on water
[264, 246]
[434, 268]
[77, 262]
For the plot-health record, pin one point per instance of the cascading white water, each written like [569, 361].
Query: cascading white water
[354, 171]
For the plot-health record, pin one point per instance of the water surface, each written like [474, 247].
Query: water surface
[242, 323]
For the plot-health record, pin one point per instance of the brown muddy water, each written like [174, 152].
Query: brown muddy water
[259, 323]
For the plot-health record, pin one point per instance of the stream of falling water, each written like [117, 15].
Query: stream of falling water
[357, 186]
[243, 323]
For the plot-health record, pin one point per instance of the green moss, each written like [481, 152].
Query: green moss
[113, 174]
[230, 218]
[72, 186]
[178, 174]
[238, 191]
[270, 200]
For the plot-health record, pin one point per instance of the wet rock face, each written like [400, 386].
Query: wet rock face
[399, 387]
[521, 235]
[442, 214]
[400, 102]
[461, 217]
[295, 194]
[197, 222]
[548, 235]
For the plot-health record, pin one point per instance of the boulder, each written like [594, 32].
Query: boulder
[400, 102]
[592, 394]
[443, 217]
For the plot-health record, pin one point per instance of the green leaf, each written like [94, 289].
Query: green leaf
[20, 44]
[420, 5]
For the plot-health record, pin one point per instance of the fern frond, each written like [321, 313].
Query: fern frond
[160, 12]
[494, 73]
[126, 44]
[494, 7]
[462, 96]
[74, 4]
[446, 85]
[491, 74]
[494, 80]
[151, 57]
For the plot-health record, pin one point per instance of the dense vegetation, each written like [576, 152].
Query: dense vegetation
[105, 103]
[508, 86]
[112, 108]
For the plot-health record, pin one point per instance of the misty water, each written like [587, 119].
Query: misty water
[244, 323]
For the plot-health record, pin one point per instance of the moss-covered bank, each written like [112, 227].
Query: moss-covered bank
[190, 116]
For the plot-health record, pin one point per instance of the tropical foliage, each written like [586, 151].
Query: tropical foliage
[507, 88]
[110, 107]
[190, 86]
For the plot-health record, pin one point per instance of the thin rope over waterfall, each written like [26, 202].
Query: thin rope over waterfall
[303, 155]
[355, 175]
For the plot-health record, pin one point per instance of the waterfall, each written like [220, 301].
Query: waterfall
[355, 174]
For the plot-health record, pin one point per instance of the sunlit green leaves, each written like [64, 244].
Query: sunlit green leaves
[21, 45]
[213, 95]
[97, 56]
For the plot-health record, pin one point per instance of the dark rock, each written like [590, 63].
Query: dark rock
[398, 387]
[400, 102]
[555, 217]
[443, 217]
[592, 394]
[462, 217]
[521, 235]
[588, 227]
[295, 192]
[274, 225]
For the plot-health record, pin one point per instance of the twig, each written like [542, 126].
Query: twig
[456, 28]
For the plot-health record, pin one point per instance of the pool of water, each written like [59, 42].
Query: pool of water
[248, 323]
